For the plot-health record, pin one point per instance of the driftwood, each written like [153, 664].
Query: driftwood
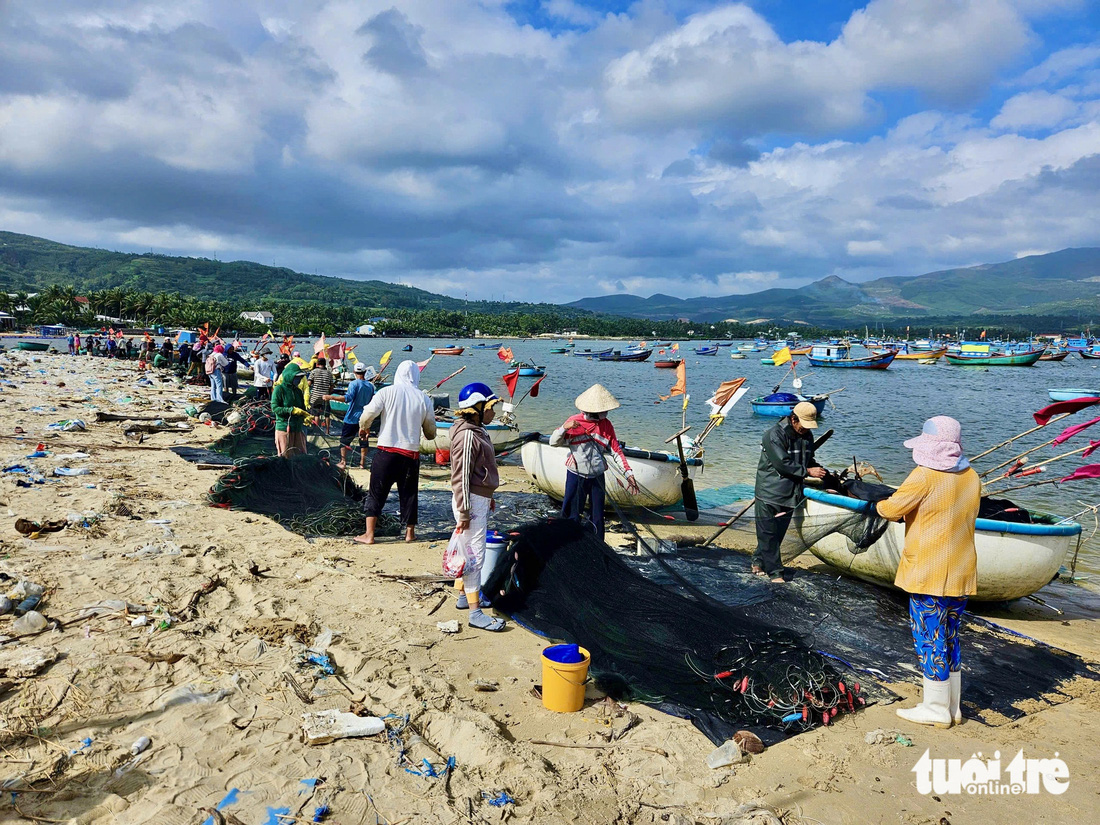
[209, 586]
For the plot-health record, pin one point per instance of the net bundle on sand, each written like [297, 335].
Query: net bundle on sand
[306, 494]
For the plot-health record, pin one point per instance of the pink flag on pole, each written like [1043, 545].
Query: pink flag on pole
[1042, 418]
[1070, 432]
[1088, 471]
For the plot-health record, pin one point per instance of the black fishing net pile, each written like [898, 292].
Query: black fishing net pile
[253, 435]
[304, 493]
[676, 648]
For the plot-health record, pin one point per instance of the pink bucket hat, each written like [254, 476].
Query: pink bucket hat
[939, 446]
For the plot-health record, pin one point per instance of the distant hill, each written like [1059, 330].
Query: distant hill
[1058, 284]
[31, 264]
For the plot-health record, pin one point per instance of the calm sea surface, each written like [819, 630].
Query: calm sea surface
[874, 414]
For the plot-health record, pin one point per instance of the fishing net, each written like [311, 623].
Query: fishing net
[252, 434]
[304, 493]
[677, 648]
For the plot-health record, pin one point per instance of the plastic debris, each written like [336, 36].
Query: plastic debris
[140, 745]
[324, 726]
[71, 471]
[498, 799]
[451, 626]
[85, 743]
[726, 754]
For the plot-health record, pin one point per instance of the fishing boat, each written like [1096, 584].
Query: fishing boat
[451, 350]
[840, 355]
[407, 348]
[531, 371]
[1014, 560]
[657, 474]
[499, 434]
[1078, 344]
[665, 344]
[626, 355]
[488, 346]
[706, 350]
[920, 355]
[779, 404]
[738, 355]
[592, 353]
[559, 351]
[1054, 356]
[32, 346]
[1071, 394]
[723, 344]
[983, 355]
[928, 362]
[668, 364]
[802, 350]
[1090, 354]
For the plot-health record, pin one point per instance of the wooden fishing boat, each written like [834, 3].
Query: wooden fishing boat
[531, 371]
[626, 355]
[657, 474]
[499, 435]
[451, 350]
[32, 346]
[669, 364]
[706, 350]
[1014, 560]
[559, 351]
[1089, 355]
[488, 346]
[1071, 394]
[779, 404]
[592, 353]
[724, 344]
[920, 355]
[840, 355]
[1053, 356]
[738, 355]
[802, 350]
[994, 359]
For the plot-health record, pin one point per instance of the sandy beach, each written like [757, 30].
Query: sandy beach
[183, 623]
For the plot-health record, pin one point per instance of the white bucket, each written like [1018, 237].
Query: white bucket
[494, 546]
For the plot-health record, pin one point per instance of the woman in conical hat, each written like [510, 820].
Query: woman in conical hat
[590, 437]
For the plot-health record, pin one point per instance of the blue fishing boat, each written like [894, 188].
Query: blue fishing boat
[779, 404]
[706, 350]
[407, 348]
[723, 344]
[531, 371]
[592, 353]
[559, 351]
[626, 355]
[1072, 394]
[488, 346]
[1078, 344]
[840, 355]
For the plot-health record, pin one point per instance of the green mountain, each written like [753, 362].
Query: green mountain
[1063, 284]
[29, 264]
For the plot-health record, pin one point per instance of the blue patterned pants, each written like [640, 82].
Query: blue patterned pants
[935, 623]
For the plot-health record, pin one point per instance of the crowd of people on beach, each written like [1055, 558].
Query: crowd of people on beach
[938, 502]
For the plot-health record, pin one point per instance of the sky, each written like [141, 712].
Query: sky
[550, 150]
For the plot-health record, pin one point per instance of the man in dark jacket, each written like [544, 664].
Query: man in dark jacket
[786, 460]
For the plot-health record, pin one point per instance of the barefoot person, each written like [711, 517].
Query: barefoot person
[474, 479]
[590, 437]
[938, 568]
[406, 412]
[786, 460]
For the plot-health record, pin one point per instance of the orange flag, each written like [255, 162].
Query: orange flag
[505, 354]
[680, 387]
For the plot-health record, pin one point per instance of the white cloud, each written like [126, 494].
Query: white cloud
[1029, 111]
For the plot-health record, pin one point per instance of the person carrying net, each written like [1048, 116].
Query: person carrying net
[590, 437]
[786, 461]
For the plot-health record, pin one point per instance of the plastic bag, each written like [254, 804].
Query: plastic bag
[454, 557]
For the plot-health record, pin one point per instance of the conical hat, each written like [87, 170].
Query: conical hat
[596, 399]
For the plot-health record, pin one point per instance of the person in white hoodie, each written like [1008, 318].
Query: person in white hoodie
[406, 412]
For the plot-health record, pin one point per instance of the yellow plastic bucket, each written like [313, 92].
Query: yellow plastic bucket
[563, 683]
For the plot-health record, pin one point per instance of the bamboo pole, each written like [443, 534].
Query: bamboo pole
[1021, 435]
[1016, 458]
[1043, 465]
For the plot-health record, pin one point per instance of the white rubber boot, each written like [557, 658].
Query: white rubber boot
[954, 679]
[934, 709]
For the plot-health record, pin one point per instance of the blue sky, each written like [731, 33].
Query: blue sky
[554, 149]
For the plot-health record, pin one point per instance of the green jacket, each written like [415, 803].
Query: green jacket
[287, 397]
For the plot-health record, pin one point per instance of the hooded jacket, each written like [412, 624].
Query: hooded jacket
[473, 464]
[286, 398]
[785, 459]
[406, 411]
